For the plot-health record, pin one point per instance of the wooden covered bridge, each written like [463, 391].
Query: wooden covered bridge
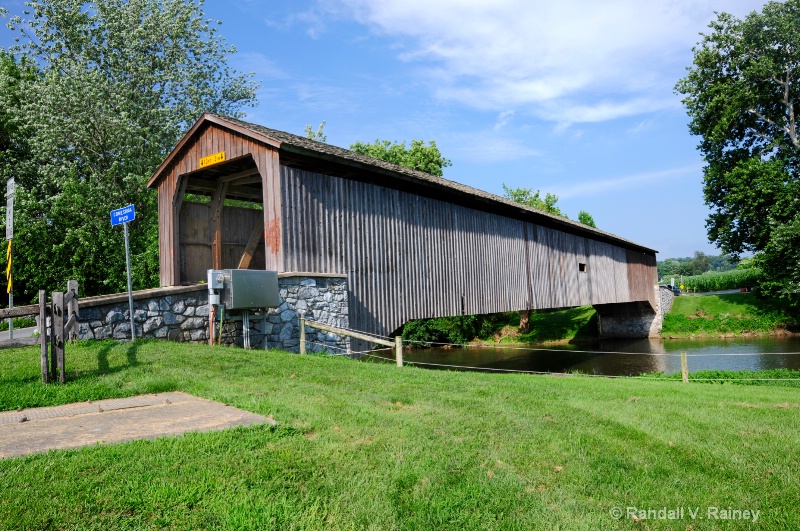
[412, 245]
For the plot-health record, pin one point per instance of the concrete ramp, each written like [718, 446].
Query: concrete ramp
[115, 420]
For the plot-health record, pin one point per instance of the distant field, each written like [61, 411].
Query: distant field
[735, 313]
[371, 446]
[722, 280]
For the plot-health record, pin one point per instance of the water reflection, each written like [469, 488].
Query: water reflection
[626, 357]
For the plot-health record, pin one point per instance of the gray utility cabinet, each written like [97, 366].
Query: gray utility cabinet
[244, 289]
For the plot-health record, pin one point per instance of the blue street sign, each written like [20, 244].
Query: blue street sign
[123, 215]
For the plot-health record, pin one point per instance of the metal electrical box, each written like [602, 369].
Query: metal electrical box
[249, 288]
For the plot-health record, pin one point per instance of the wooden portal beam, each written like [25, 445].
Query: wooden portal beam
[250, 249]
[249, 180]
[201, 187]
[240, 175]
[217, 204]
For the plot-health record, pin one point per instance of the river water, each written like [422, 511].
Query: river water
[624, 357]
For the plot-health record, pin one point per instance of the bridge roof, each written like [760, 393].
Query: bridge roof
[318, 156]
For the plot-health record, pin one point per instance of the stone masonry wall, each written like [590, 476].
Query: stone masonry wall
[321, 299]
[634, 320]
[181, 313]
[665, 298]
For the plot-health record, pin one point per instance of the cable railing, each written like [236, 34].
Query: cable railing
[398, 343]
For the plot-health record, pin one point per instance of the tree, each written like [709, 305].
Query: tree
[319, 135]
[701, 263]
[528, 197]
[417, 156]
[12, 143]
[120, 81]
[586, 218]
[743, 98]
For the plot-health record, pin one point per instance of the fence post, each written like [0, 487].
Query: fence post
[43, 335]
[58, 333]
[398, 350]
[684, 368]
[302, 333]
[72, 285]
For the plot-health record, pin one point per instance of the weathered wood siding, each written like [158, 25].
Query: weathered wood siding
[208, 140]
[195, 239]
[410, 257]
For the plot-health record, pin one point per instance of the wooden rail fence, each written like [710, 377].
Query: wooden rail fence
[58, 321]
[397, 344]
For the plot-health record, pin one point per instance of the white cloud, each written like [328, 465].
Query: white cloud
[488, 147]
[257, 63]
[591, 188]
[502, 119]
[568, 61]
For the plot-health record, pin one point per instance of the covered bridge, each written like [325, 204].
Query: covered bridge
[412, 245]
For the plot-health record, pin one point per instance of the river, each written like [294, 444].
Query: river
[624, 357]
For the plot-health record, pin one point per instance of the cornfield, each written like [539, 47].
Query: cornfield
[722, 280]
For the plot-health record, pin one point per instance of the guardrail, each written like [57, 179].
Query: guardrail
[397, 344]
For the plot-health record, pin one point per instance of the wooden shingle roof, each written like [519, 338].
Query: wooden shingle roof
[300, 151]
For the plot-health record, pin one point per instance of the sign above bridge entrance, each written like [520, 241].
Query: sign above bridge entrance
[210, 160]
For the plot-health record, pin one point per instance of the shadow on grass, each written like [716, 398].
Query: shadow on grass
[104, 368]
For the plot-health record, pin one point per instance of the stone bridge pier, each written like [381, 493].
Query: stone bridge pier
[633, 320]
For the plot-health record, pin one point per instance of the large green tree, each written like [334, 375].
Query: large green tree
[13, 145]
[743, 97]
[417, 156]
[119, 83]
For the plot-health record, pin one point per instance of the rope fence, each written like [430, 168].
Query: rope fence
[397, 346]
[520, 371]
[622, 353]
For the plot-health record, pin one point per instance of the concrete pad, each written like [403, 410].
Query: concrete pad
[115, 420]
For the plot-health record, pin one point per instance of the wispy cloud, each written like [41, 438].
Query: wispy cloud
[502, 119]
[258, 63]
[568, 61]
[591, 188]
[488, 147]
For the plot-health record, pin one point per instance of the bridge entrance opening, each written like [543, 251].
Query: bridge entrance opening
[221, 219]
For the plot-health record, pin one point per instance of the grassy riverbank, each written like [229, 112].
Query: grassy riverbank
[728, 315]
[374, 446]
[557, 326]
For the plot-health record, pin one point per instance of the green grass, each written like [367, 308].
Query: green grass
[364, 445]
[731, 314]
[770, 377]
[571, 324]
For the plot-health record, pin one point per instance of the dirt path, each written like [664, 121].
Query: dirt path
[115, 420]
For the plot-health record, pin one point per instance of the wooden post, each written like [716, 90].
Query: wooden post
[52, 338]
[217, 206]
[43, 335]
[302, 333]
[398, 350]
[72, 286]
[684, 368]
[58, 333]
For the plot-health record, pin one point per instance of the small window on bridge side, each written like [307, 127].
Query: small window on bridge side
[582, 268]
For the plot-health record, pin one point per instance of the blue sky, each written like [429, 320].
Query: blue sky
[572, 97]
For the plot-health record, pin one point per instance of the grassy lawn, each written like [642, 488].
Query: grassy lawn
[363, 445]
[731, 314]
